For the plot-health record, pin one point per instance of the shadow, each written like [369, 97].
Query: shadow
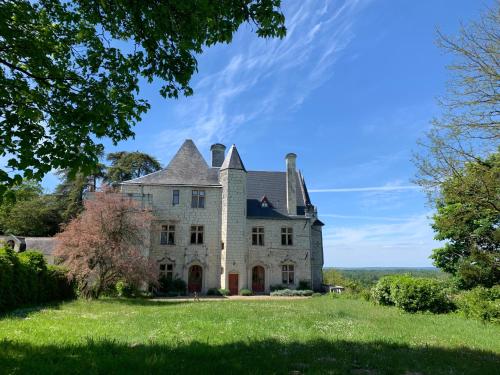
[142, 301]
[25, 312]
[252, 357]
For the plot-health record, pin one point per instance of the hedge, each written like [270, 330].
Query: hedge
[25, 279]
[292, 293]
[412, 294]
[480, 303]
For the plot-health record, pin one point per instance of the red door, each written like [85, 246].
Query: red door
[233, 284]
[258, 279]
[195, 279]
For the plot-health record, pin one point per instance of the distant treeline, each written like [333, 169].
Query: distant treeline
[367, 277]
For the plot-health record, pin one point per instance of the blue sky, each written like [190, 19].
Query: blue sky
[350, 90]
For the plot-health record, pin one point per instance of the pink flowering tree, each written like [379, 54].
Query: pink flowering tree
[103, 244]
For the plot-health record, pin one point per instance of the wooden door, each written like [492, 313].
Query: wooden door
[258, 279]
[233, 284]
[195, 279]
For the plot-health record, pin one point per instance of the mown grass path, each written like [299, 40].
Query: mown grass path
[317, 335]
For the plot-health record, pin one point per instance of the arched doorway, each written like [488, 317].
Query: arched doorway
[195, 279]
[258, 279]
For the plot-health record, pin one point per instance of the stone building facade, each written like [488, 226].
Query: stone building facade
[222, 226]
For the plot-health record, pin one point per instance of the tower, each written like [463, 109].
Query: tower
[233, 178]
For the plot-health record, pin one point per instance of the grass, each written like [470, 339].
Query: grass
[316, 335]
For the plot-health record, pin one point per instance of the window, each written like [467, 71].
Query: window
[197, 234]
[287, 236]
[167, 236]
[287, 274]
[175, 197]
[167, 271]
[258, 236]
[198, 199]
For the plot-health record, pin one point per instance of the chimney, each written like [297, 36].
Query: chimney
[217, 154]
[291, 184]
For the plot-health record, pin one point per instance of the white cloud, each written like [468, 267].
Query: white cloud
[407, 242]
[264, 76]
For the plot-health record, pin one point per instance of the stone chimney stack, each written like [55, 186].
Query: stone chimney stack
[291, 184]
[218, 150]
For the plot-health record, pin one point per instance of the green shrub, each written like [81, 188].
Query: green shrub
[419, 294]
[381, 292]
[365, 294]
[245, 292]
[292, 293]
[317, 294]
[224, 292]
[25, 279]
[125, 289]
[277, 287]
[177, 286]
[213, 292]
[304, 285]
[480, 303]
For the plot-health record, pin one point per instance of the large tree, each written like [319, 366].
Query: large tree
[70, 70]
[469, 127]
[127, 165]
[468, 218]
[102, 245]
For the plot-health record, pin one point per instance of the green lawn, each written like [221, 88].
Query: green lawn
[317, 335]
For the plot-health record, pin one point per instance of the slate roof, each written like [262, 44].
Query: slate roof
[233, 160]
[272, 185]
[186, 168]
[190, 169]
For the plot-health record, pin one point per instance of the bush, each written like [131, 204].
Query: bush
[304, 285]
[213, 292]
[245, 292]
[480, 303]
[172, 286]
[217, 292]
[25, 279]
[414, 294]
[277, 287]
[125, 289]
[292, 293]
[381, 292]
[317, 294]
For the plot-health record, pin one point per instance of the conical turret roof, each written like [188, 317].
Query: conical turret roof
[186, 168]
[233, 160]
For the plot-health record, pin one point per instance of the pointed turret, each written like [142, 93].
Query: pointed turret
[233, 178]
[233, 160]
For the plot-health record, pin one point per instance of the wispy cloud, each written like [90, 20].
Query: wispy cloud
[407, 242]
[366, 189]
[265, 76]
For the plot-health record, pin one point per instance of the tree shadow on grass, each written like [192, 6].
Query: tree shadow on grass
[25, 312]
[143, 302]
[255, 357]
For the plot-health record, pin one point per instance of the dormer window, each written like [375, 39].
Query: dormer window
[264, 202]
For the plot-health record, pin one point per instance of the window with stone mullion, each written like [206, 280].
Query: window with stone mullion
[258, 236]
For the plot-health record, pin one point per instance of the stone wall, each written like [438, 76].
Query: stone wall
[184, 254]
[233, 226]
[273, 254]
